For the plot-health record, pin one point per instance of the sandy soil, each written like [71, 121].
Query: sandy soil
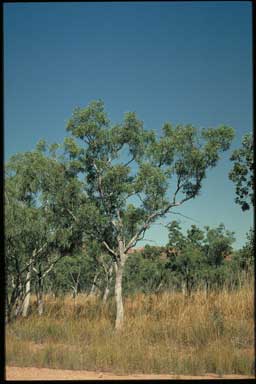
[23, 373]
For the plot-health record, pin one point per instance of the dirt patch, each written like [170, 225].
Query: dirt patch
[25, 373]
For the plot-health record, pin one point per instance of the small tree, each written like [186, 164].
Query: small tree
[218, 244]
[243, 260]
[132, 176]
[186, 257]
[71, 274]
[199, 257]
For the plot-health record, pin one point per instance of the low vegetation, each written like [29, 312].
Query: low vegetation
[163, 333]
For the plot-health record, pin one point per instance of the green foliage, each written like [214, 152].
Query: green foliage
[199, 257]
[218, 243]
[72, 274]
[133, 218]
[176, 238]
[242, 173]
[144, 274]
[195, 236]
[126, 160]
[87, 123]
[39, 229]
[244, 258]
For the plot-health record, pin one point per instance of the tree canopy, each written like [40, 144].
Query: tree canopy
[125, 160]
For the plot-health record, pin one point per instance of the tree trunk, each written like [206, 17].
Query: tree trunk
[108, 282]
[106, 294]
[94, 285]
[18, 301]
[118, 296]
[12, 302]
[40, 304]
[27, 294]
[183, 287]
[74, 295]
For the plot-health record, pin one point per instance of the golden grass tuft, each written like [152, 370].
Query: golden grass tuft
[164, 333]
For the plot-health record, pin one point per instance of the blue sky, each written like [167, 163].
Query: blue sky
[183, 62]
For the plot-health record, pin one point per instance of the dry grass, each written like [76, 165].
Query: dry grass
[165, 333]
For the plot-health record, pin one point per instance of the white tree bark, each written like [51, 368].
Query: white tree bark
[27, 293]
[40, 303]
[118, 296]
[94, 285]
[108, 282]
[106, 294]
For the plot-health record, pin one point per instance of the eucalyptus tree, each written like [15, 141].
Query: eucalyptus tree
[242, 173]
[133, 176]
[39, 231]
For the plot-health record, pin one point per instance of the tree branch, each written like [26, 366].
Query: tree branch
[130, 161]
[34, 254]
[51, 265]
[186, 217]
[149, 220]
[179, 186]
[109, 249]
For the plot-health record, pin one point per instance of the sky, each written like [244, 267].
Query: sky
[182, 62]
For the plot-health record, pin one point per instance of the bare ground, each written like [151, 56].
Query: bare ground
[25, 373]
